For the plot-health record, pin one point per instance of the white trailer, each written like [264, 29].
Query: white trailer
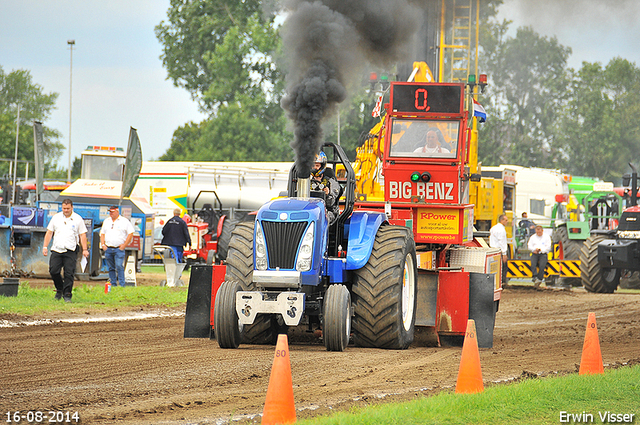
[230, 185]
[536, 190]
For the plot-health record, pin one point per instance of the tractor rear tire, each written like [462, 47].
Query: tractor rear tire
[384, 292]
[240, 255]
[594, 277]
[265, 329]
[228, 330]
[570, 247]
[224, 238]
[336, 326]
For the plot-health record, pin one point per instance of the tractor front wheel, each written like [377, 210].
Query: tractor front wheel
[337, 318]
[594, 277]
[228, 329]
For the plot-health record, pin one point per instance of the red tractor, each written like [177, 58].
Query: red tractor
[210, 235]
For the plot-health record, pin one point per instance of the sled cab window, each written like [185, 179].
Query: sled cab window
[424, 138]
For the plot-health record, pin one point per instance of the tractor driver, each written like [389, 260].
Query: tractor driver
[434, 143]
[323, 178]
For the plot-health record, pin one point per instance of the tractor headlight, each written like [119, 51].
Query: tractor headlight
[306, 250]
[261, 249]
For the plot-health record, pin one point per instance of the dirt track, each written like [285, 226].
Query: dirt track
[144, 372]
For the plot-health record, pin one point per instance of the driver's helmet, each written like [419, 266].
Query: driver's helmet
[322, 159]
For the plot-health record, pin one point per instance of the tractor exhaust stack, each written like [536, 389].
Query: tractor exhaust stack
[304, 187]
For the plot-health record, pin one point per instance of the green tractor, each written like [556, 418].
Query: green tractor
[573, 221]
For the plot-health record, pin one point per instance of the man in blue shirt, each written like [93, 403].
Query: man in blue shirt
[176, 234]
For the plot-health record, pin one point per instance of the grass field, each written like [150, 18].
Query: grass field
[34, 301]
[613, 396]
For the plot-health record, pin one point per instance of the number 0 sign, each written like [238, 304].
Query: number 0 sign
[432, 98]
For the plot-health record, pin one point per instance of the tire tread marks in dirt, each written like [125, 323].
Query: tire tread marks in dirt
[264, 329]
[377, 292]
[590, 270]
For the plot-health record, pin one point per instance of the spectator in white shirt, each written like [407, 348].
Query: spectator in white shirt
[498, 239]
[67, 229]
[115, 235]
[539, 245]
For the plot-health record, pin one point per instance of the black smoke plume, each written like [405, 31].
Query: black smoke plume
[327, 43]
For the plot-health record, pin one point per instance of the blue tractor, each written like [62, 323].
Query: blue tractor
[291, 267]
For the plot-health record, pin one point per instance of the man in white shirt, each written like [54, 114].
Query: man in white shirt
[498, 239]
[67, 229]
[115, 235]
[433, 145]
[539, 245]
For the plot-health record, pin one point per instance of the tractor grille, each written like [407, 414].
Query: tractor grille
[283, 239]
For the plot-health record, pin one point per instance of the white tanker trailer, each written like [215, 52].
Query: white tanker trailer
[239, 185]
[227, 186]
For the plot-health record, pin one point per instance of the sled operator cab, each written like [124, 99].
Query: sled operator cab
[425, 166]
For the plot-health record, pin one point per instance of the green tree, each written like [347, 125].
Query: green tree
[18, 88]
[599, 131]
[527, 92]
[54, 172]
[223, 53]
[241, 131]
[193, 32]
[183, 137]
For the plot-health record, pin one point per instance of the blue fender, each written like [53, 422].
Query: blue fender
[362, 229]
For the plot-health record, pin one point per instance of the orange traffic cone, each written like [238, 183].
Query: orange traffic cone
[470, 373]
[279, 407]
[591, 361]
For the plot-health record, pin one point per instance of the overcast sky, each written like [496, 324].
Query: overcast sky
[119, 81]
[596, 30]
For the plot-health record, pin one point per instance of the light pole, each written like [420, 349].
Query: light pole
[15, 165]
[71, 43]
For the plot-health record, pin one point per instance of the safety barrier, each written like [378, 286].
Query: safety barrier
[562, 268]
